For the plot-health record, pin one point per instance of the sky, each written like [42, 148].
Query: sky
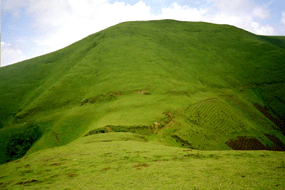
[30, 28]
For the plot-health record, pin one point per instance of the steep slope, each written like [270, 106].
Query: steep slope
[197, 85]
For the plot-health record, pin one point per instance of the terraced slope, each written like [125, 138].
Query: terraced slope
[195, 85]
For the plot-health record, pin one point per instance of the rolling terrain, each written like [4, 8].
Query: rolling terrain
[154, 100]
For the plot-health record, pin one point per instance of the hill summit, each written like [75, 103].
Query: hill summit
[184, 84]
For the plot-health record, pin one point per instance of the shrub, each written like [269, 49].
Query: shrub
[18, 144]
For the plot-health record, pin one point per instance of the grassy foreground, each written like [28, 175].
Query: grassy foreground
[129, 161]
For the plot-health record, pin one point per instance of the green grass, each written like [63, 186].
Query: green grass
[128, 161]
[176, 85]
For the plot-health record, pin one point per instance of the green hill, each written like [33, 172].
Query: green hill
[171, 84]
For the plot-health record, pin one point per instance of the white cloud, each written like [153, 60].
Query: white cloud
[78, 20]
[242, 13]
[14, 6]
[233, 7]
[71, 20]
[261, 13]
[11, 54]
[283, 18]
[183, 13]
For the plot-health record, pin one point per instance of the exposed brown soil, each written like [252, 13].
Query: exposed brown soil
[143, 92]
[26, 182]
[108, 128]
[105, 169]
[54, 176]
[139, 166]
[170, 122]
[56, 136]
[57, 164]
[181, 141]
[244, 143]
[72, 175]
[278, 145]
[277, 121]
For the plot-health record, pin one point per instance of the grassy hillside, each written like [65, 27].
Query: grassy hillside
[128, 161]
[181, 84]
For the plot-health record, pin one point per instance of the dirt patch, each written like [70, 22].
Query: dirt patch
[194, 155]
[142, 92]
[181, 141]
[56, 136]
[166, 123]
[26, 182]
[72, 175]
[57, 164]
[54, 176]
[277, 121]
[108, 128]
[278, 145]
[140, 166]
[244, 143]
[104, 169]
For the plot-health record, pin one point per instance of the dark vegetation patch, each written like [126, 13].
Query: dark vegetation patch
[195, 155]
[27, 166]
[102, 98]
[178, 93]
[18, 144]
[244, 143]
[25, 172]
[281, 166]
[140, 129]
[19, 118]
[106, 140]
